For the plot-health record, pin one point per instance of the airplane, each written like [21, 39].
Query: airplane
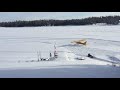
[82, 42]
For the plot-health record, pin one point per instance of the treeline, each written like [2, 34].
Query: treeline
[113, 20]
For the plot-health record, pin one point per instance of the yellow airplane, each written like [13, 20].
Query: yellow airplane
[83, 42]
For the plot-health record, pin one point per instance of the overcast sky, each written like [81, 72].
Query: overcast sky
[12, 16]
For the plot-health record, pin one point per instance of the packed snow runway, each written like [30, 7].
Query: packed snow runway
[18, 45]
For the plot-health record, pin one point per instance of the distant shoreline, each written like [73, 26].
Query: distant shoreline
[102, 21]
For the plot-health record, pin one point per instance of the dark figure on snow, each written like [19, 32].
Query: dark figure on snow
[89, 55]
[50, 54]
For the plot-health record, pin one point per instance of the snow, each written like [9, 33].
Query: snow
[83, 71]
[19, 47]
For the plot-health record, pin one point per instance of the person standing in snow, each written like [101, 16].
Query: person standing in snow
[50, 54]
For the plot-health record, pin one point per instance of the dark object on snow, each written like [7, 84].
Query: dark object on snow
[89, 55]
[50, 55]
[55, 54]
[44, 59]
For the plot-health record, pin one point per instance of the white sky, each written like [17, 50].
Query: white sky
[12, 16]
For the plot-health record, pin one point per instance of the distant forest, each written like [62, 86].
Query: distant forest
[109, 20]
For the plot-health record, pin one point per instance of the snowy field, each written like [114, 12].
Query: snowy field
[19, 46]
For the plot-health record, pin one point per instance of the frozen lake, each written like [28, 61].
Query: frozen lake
[21, 44]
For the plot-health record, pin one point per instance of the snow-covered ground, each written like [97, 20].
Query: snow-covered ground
[19, 46]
